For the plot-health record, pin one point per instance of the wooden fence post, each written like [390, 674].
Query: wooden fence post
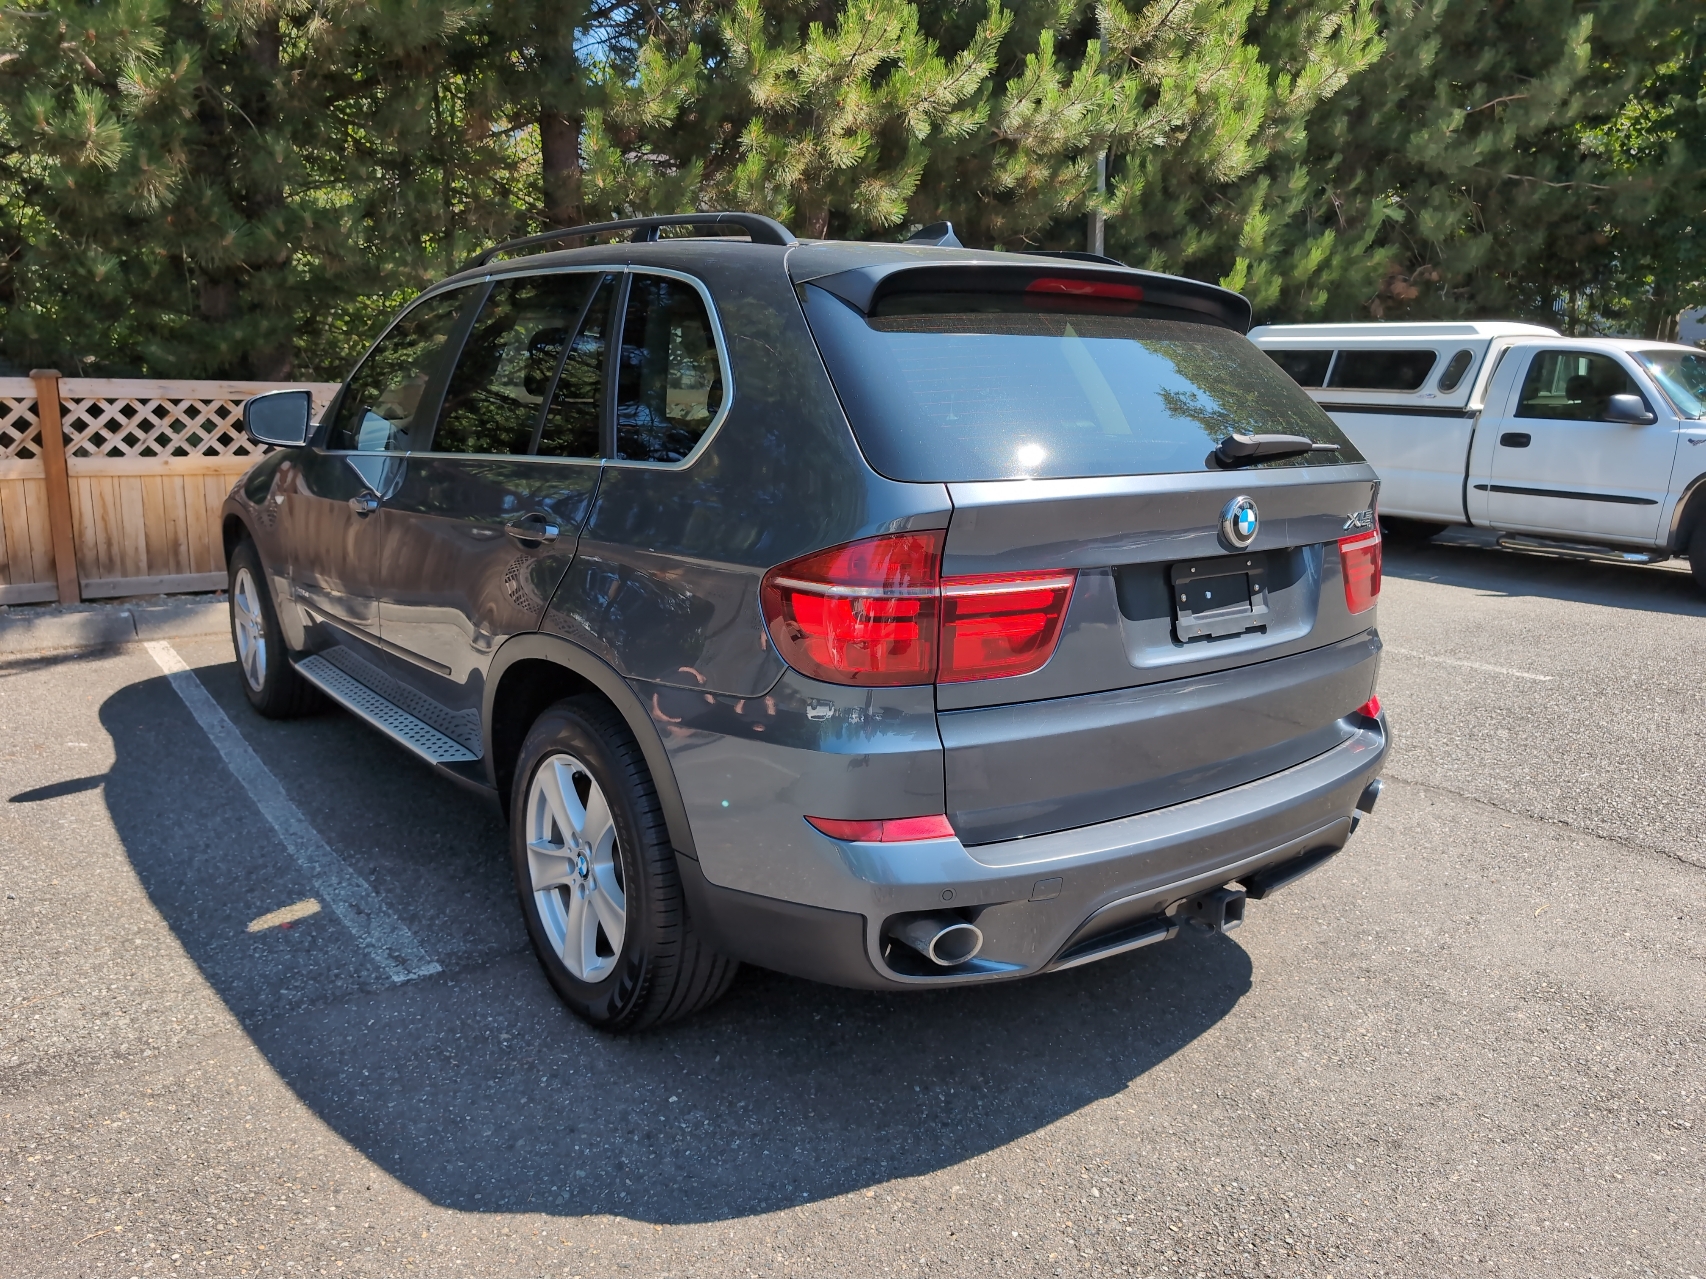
[58, 485]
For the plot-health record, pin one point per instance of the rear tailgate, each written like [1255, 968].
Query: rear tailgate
[1078, 438]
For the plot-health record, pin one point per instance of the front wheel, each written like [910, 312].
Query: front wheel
[269, 680]
[1697, 554]
[596, 875]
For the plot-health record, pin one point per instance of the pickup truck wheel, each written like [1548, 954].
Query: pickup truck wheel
[1409, 532]
[1697, 554]
[269, 681]
[596, 875]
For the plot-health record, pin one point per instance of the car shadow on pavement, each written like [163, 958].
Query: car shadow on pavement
[477, 1089]
[1474, 560]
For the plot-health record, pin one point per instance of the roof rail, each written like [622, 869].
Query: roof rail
[763, 230]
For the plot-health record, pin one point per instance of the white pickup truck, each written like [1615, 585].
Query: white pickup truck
[1587, 447]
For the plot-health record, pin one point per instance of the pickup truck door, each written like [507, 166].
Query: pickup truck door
[1557, 467]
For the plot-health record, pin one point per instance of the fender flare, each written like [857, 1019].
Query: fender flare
[542, 646]
[1689, 510]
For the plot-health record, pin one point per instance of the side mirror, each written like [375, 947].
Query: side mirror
[1629, 408]
[279, 417]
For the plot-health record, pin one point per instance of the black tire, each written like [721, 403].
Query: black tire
[1409, 532]
[661, 970]
[1697, 554]
[269, 681]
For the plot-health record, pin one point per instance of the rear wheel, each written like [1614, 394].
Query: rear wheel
[596, 875]
[269, 680]
[1409, 532]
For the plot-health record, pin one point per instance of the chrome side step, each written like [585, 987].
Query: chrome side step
[389, 718]
[1579, 550]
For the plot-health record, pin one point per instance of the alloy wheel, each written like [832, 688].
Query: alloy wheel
[251, 628]
[576, 874]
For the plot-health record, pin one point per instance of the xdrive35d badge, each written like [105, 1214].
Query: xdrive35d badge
[1239, 522]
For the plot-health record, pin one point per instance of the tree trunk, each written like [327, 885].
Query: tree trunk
[560, 156]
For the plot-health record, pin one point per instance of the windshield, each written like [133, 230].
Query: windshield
[1681, 375]
[995, 395]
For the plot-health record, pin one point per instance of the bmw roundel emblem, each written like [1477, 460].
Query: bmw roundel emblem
[1239, 522]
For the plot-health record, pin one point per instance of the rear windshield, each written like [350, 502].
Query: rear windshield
[955, 396]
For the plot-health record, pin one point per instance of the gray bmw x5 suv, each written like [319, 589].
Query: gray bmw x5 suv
[893, 615]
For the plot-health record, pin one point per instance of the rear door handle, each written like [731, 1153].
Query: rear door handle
[1516, 439]
[364, 504]
[533, 527]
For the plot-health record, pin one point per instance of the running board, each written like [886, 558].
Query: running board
[389, 718]
[1580, 550]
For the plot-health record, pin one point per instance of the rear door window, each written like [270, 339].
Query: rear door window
[496, 398]
[379, 409]
[957, 395]
[1454, 370]
[1306, 368]
[1381, 370]
[1572, 385]
[669, 384]
[572, 423]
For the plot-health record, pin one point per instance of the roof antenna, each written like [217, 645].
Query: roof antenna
[941, 234]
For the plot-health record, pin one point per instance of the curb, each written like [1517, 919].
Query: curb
[102, 627]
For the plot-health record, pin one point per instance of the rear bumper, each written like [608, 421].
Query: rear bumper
[1041, 902]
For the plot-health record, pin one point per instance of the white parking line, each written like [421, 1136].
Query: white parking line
[1473, 666]
[381, 934]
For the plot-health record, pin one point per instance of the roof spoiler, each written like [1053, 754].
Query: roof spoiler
[864, 286]
[761, 229]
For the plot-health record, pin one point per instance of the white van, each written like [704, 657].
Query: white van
[1587, 447]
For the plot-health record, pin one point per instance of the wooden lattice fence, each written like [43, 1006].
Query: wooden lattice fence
[122, 496]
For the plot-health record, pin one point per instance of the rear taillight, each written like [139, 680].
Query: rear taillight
[1370, 708]
[1359, 563]
[878, 611]
[889, 830]
[864, 613]
[1001, 624]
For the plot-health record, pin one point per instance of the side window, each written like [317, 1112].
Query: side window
[1454, 370]
[497, 395]
[1572, 385]
[376, 413]
[1382, 370]
[1306, 368]
[669, 382]
[571, 422]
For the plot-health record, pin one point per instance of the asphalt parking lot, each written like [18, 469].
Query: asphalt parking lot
[1472, 1044]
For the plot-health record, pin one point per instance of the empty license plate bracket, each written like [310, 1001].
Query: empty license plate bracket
[1227, 595]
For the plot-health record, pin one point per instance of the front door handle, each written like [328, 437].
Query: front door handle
[364, 504]
[1516, 439]
[534, 527]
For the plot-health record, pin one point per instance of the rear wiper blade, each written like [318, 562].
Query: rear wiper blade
[1242, 450]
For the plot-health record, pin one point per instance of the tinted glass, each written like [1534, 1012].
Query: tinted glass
[1572, 385]
[1682, 377]
[497, 394]
[1454, 370]
[994, 396]
[1306, 368]
[376, 413]
[669, 382]
[1382, 370]
[577, 403]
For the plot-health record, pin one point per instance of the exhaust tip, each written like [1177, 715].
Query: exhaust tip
[945, 940]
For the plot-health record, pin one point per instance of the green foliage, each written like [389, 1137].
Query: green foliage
[250, 187]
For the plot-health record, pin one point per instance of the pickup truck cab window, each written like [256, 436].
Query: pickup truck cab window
[497, 397]
[378, 409]
[1573, 386]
